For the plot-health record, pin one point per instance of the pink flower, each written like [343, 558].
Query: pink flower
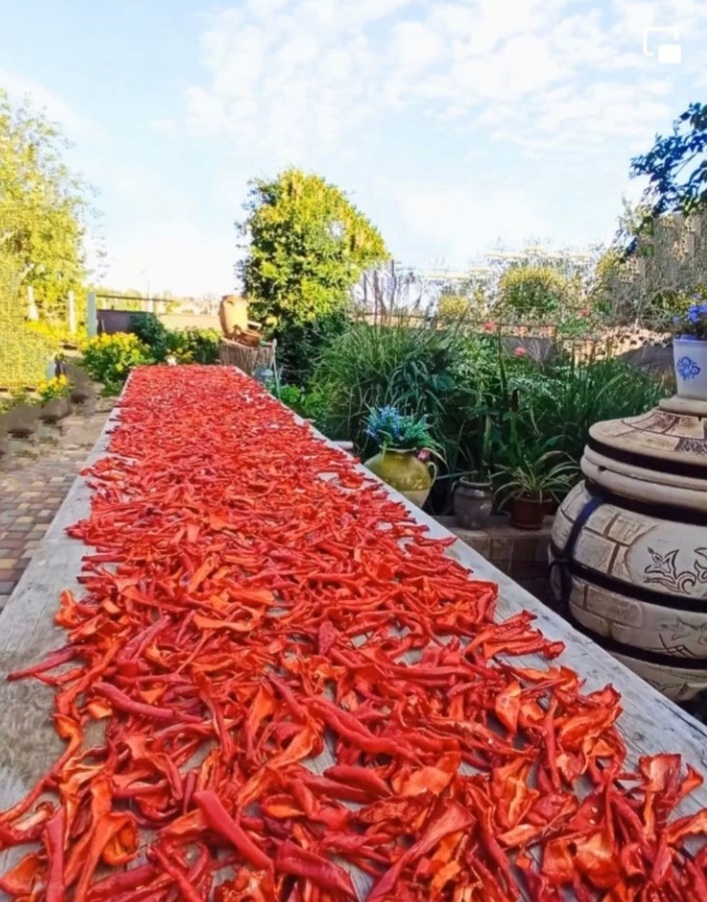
[489, 326]
[423, 454]
[520, 352]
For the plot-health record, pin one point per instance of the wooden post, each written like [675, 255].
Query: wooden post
[71, 310]
[91, 320]
[32, 312]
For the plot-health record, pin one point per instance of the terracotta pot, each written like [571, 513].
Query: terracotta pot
[55, 410]
[82, 392]
[22, 420]
[473, 503]
[550, 505]
[527, 513]
[233, 314]
[635, 579]
[690, 356]
[401, 470]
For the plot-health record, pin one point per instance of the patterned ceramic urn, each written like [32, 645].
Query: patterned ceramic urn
[629, 547]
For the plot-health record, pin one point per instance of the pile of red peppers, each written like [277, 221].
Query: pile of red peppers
[299, 696]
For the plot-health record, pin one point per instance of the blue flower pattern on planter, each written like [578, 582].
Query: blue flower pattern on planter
[687, 368]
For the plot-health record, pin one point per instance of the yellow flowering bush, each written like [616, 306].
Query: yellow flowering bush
[58, 387]
[109, 358]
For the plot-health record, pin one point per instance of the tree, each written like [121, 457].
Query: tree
[307, 247]
[43, 207]
[676, 167]
[666, 262]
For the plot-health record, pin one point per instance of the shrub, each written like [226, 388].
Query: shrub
[453, 308]
[413, 369]
[198, 346]
[188, 345]
[309, 404]
[56, 334]
[300, 345]
[109, 358]
[532, 292]
[58, 387]
[154, 334]
[561, 402]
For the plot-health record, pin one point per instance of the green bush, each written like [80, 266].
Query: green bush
[154, 334]
[300, 345]
[187, 346]
[413, 369]
[479, 399]
[109, 358]
[309, 404]
[453, 308]
[56, 334]
[532, 292]
[198, 346]
[561, 402]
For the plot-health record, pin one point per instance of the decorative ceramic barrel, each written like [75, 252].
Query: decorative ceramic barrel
[629, 545]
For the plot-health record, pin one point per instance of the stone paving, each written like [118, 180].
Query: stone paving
[35, 477]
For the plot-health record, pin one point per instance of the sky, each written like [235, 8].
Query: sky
[454, 126]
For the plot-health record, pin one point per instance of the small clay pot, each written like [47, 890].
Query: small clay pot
[81, 392]
[22, 421]
[527, 513]
[473, 503]
[550, 505]
[55, 410]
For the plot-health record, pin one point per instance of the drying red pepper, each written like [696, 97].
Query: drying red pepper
[244, 621]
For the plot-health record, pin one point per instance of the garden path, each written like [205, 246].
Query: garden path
[35, 477]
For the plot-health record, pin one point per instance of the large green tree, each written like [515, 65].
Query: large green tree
[307, 246]
[43, 206]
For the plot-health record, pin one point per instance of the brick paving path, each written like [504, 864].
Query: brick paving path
[35, 477]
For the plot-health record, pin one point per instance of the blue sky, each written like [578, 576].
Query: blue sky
[453, 125]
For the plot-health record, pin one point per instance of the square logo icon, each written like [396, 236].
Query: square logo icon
[669, 54]
[663, 44]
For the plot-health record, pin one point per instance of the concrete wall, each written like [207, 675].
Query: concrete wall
[112, 321]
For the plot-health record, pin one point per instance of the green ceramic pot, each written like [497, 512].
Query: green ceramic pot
[402, 471]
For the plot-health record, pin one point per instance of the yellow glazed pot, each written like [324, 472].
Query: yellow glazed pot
[402, 471]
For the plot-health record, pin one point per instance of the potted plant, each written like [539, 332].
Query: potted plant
[690, 351]
[529, 481]
[405, 444]
[473, 493]
[54, 399]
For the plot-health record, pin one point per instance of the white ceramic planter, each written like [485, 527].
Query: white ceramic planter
[690, 357]
[631, 542]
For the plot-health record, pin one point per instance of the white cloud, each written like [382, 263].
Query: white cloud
[291, 79]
